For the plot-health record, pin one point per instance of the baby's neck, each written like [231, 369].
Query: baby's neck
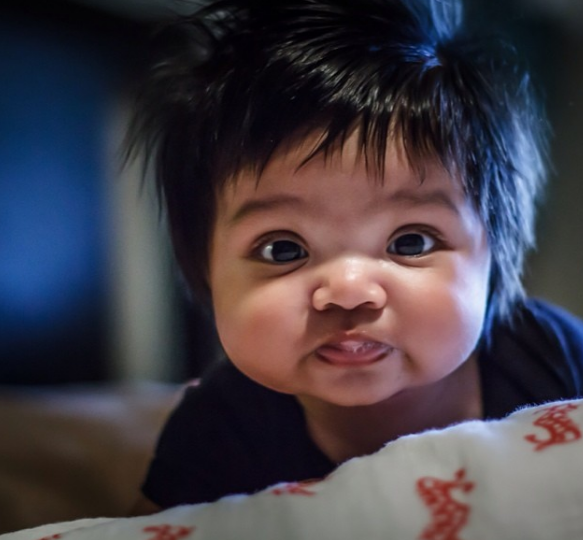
[345, 432]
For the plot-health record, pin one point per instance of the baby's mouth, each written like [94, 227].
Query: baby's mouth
[353, 352]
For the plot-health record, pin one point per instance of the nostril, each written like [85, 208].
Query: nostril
[349, 282]
[371, 296]
[320, 299]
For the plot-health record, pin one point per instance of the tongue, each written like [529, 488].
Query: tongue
[352, 352]
[355, 346]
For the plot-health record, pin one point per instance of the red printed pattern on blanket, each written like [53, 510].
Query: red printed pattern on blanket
[449, 516]
[53, 537]
[560, 427]
[295, 488]
[168, 532]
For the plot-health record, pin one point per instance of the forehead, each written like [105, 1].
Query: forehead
[299, 169]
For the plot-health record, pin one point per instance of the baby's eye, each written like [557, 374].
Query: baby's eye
[411, 245]
[281, 252]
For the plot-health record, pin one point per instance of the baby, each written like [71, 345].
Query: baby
[351, 185]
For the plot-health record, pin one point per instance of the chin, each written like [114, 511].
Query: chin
[356, 399]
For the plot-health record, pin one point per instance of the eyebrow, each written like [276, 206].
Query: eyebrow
[266, 204]
[434, 197]
[409, 197]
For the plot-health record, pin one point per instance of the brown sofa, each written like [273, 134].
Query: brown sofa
[76, 452]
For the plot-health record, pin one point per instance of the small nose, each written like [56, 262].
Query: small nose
[348, 284]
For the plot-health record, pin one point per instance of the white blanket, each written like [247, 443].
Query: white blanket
[520, 478]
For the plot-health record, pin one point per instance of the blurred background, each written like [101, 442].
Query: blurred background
[88, 290]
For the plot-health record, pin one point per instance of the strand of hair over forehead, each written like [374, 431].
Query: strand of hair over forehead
[327, 88]
[232, 32]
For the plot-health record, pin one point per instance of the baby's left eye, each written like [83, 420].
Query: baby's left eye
[411, 245]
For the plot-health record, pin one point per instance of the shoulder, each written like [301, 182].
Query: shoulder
[225, 396]
[553, 327]
[229, 435]
[534, 358]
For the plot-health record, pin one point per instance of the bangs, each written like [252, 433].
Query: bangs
[418, 94]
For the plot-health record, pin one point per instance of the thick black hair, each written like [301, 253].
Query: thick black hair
[240, 78]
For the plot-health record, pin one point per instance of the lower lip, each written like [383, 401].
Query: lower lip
[363, 356]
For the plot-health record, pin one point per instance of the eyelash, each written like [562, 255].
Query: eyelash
[284, 236]
[422, 230]
[272, 238]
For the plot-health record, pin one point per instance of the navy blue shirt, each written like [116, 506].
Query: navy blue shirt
[230, 435]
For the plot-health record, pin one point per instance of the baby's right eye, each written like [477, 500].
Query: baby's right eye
[281, 252]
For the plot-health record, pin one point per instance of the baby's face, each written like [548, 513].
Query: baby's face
[331, 286]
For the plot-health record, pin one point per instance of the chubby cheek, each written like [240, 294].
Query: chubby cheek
[258, 327]
[444, 326]
[258, 350]
[458, 325]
